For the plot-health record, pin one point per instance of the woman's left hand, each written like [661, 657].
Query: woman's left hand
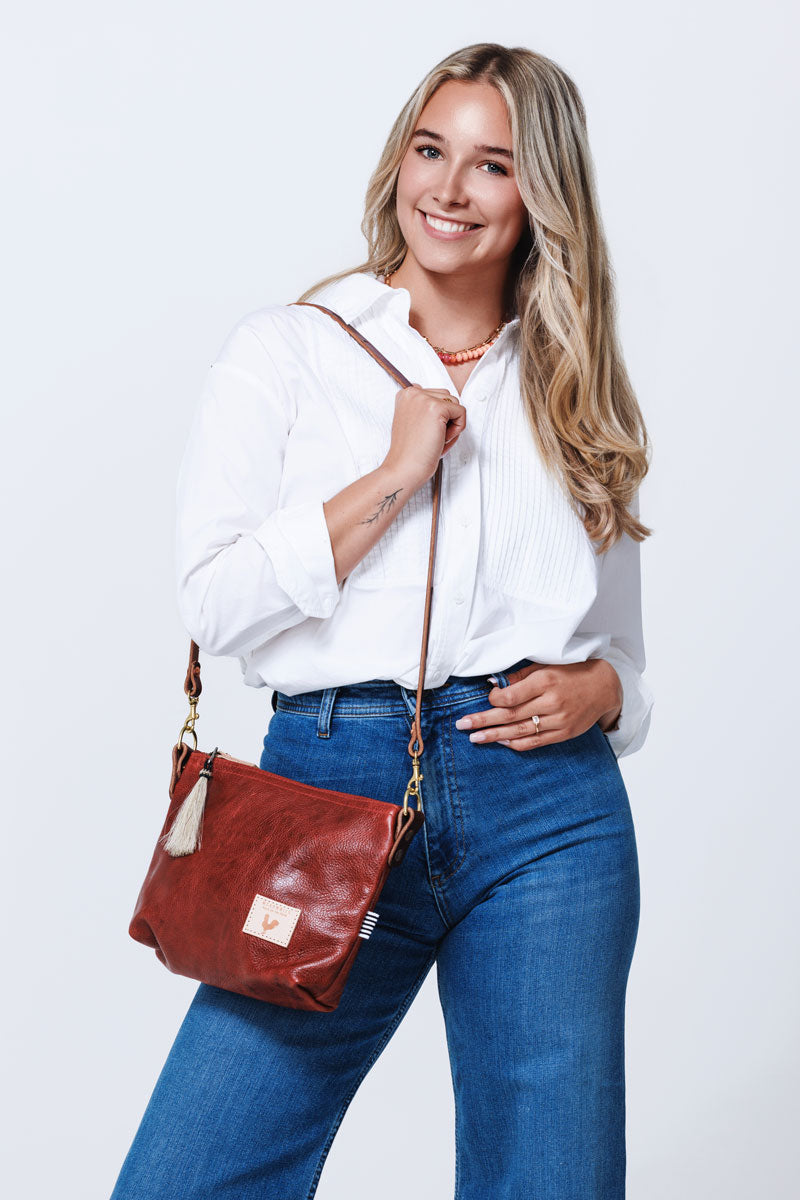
[567, 697]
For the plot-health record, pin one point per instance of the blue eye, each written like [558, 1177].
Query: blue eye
[421, 150]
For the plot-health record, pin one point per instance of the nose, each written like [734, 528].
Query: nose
[450, 189]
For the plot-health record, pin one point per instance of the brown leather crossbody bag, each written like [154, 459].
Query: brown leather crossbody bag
[264, 885]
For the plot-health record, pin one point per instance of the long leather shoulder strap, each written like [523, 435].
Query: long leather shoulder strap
[416, 732]
[192, 685]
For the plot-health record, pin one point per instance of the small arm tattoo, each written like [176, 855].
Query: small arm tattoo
[385, 504]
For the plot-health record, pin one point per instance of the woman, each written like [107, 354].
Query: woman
[304, 509]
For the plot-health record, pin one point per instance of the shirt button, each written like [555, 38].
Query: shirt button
[459, 599]
[465, 521]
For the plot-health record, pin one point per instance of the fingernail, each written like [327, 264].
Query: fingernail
[463, 723]
[493, 678]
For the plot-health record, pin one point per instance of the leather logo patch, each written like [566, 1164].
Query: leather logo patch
[271, 920]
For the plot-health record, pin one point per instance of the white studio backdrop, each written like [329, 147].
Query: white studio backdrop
[168, 167]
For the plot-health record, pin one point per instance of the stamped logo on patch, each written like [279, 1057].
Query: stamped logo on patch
[271, 920]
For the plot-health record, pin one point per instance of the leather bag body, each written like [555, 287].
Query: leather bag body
[320, 857]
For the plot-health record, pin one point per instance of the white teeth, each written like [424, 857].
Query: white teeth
[446, 226]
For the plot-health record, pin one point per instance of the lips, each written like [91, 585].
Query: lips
[452, 229]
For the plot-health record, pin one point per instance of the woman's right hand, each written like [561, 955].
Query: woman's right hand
[427, 423]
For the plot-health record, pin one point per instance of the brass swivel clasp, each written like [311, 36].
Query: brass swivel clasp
[412, 788]
[188, 724]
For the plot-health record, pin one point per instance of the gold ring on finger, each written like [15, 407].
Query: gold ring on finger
[535, 720]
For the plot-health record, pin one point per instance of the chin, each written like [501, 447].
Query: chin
[437, 264]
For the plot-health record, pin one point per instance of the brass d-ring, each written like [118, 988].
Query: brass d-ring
[187, 728]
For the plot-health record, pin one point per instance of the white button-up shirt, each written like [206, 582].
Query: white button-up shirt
[292, 411]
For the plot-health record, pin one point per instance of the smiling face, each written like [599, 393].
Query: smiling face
[458, 204]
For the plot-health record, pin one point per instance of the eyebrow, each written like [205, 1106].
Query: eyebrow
[437, 137]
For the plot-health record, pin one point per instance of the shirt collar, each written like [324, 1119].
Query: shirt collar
[357, 294]
[354, 295]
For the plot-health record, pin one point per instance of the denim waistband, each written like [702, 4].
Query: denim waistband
[387, 698]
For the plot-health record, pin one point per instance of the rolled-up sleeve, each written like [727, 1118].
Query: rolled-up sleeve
[617, 615]
[247, 567]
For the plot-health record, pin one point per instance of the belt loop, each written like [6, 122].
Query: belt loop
[409, 696]
[325, 710]
[502, 676]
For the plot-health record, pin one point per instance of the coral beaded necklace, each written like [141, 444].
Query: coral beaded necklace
[450, 357]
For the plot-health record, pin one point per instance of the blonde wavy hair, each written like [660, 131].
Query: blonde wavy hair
[579, 400]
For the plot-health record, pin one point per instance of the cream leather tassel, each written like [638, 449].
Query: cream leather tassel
[184, 835]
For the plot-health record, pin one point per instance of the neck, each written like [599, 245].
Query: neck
[454, 309]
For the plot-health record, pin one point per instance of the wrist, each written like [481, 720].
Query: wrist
[610, 720]
[393, 478]
[612, 698]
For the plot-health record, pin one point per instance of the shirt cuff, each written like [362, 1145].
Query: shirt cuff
[298, 542]
[637, 704]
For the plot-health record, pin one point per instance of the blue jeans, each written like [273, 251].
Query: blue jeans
[522, 886]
